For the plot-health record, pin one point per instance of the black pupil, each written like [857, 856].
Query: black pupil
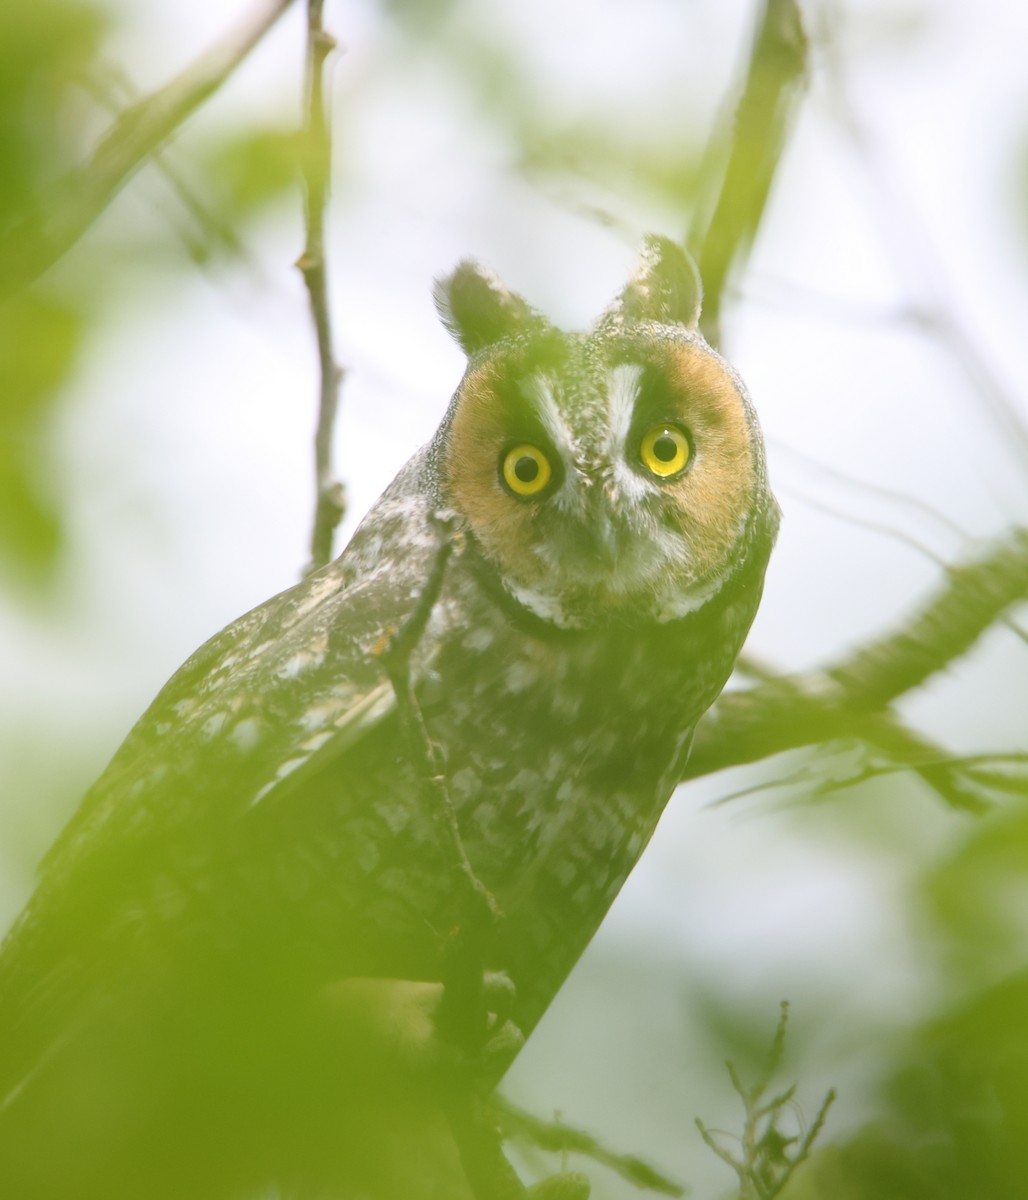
[526, 469]
[665, 448]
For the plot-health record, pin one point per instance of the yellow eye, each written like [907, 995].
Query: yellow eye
[664, 451]
[526, 470]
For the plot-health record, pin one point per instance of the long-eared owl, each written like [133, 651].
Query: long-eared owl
[565, 574]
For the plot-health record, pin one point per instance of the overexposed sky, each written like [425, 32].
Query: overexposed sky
[185, 440]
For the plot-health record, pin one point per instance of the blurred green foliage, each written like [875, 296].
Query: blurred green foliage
[39, 337]
[44, 47]
[951, 1120]
[57, 96]
[251, 169]
[951, 1117]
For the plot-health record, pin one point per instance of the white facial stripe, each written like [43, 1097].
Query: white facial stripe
[622, 393]
[632, 488]
[538, 391]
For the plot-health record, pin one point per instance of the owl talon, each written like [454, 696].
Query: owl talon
[501, 1049]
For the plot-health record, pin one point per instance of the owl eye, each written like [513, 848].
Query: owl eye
[525, 470]
[664, 451]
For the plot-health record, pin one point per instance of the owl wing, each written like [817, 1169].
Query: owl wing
[279, 692]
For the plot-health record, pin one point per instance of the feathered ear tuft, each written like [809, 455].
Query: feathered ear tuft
[664, 287]
[478, 309]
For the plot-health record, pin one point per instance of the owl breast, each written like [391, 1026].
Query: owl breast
[561, 750]
[614, 527]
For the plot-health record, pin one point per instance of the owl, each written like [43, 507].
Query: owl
[234, 969]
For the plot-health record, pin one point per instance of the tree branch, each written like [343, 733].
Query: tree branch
[787, 712]
[112, 89]
[330, 498]
[33, 245]
[774, 80]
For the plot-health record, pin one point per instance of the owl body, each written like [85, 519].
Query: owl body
[595, 515]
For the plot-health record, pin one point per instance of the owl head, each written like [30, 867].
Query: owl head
[611, 475]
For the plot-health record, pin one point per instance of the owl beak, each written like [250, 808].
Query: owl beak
[605, 544]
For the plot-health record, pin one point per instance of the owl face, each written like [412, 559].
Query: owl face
[609, 475]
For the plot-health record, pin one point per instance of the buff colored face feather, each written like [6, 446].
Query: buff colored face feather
[639, 462]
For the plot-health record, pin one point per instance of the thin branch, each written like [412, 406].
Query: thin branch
[774, 81]
[111, 88]
[788, 712]
[557, 1137]
[944, 630]
[33, 245]
[896, 534]
[908, 242]
[908, 752]
[975, 766]
[330, 498]
[892, 496]
[861, 522]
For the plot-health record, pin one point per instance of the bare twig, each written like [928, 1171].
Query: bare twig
[890, 495]
[557, 1137]
[897, 534]
[30, 247]
[945, 773]
[885, 732]
[788, 712]
[976, 766]
[774, 81]
[330, 498]
[112, 89]
[861, 522]
[907, 241]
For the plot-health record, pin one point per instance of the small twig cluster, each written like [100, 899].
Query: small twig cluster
[763, 1156]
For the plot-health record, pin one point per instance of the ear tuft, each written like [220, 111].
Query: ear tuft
[478, 309]
[664, 287]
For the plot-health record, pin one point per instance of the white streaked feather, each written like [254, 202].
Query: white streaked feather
[622, 394]
[538, 390]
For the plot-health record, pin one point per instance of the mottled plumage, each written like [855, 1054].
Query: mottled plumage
[264, 833]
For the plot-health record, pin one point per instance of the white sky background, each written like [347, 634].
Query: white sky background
[185, 442]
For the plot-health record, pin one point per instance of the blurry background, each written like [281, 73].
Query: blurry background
[157, 402]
